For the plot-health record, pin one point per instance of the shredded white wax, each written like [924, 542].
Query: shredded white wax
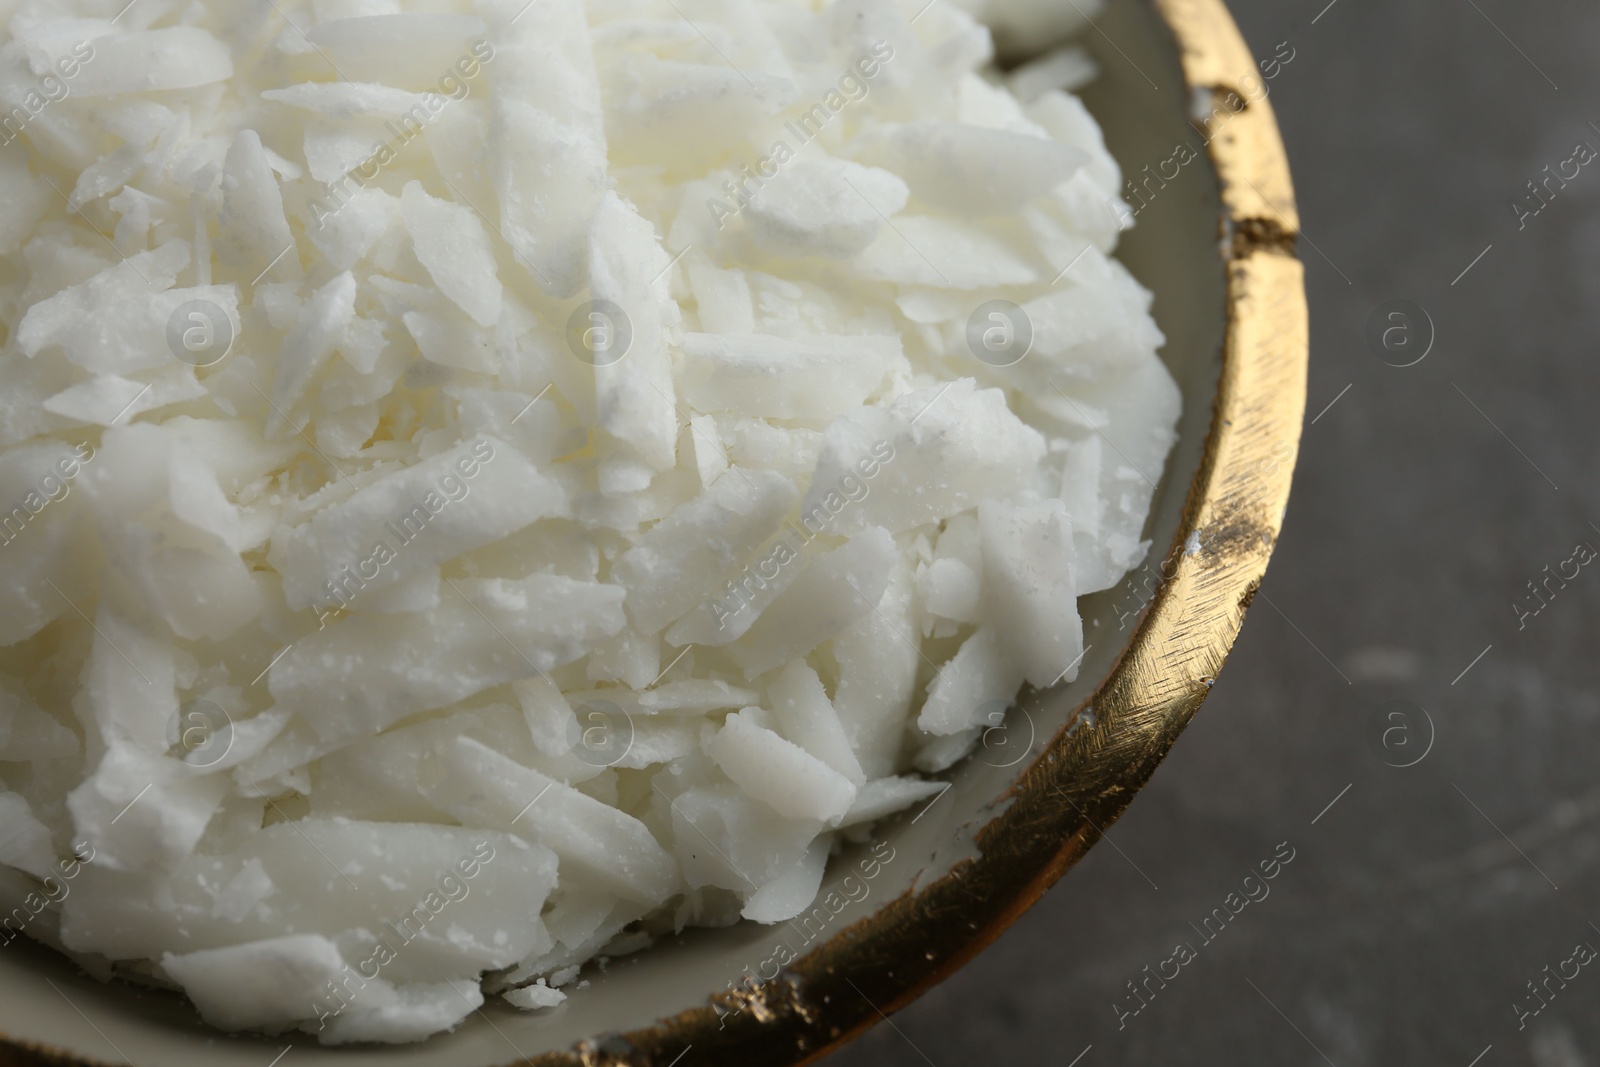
[486, 484]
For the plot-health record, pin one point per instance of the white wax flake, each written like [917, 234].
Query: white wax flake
[163, 519]
[421, 888]
[418, 1010]
[685, 115]
[538, 995]
[837, 588]
[179, 57]
[1030, 587]
[633, 369]
[943, 253]
[547, 147]
[253, 235]
[368, 671]
[116, 320]
[240, 895]
[752, 843]
[435, 510]
[806, 717]
[967, 686]
[28, 847]
[927, 455]
[108, 399]
[831, 208]
[1068, 69]
[971, 170]
[453, 245]
[27, 732]
[792, 892]
[308, 346]
[685, 559]
[878, 665]
[780, 772]
[451, 342]
[345, 100]
[817, 377]
[23, 202]
[885, 796]
[496, 481]
[346, 231]
[598, 843]
[411, 49]
[143, 813]
[256, 983]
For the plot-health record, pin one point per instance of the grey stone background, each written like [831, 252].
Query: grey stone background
[1426, 499]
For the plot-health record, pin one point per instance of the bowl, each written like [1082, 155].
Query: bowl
[901, 911]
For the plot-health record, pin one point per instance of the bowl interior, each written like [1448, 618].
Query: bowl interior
[1142, 103]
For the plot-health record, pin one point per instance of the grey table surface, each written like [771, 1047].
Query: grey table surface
[1420, 905]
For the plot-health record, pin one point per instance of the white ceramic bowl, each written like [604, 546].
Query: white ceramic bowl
[1215, 243]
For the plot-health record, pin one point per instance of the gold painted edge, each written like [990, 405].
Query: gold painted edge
[1084, 780]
